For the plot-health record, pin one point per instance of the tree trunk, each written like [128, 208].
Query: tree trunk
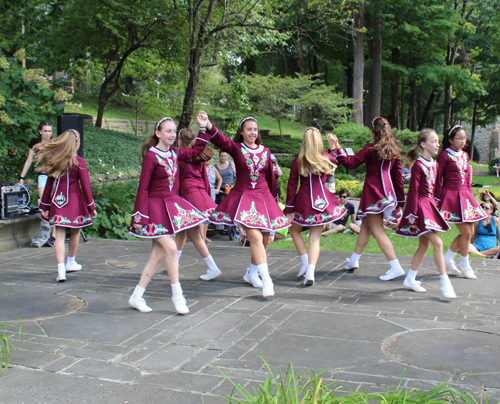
[402, 103]
[448, 90]
[473, 131]
[427, 110]
[394, 118]
[326, 76]
[413, 102]
[376, 96]
[189, 94]
[359, 65]
[348, 68]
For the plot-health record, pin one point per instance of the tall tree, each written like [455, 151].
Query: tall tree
[359, 64]
[109, 31]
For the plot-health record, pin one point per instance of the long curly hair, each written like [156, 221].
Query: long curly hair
[58, 154]
[385, 145]
[312, 157]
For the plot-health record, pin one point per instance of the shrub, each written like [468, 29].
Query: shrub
[354, 187]
[283, 181]
[286, 162]
[114, 203]
[359, 134]
[343, 176]
[491, 163]
[25, 100]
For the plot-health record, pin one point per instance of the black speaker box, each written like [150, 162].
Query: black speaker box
[71, 121]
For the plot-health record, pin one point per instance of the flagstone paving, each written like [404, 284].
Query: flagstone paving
[82, 343]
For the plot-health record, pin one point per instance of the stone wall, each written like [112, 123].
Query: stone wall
[144, 128]
[487, 142]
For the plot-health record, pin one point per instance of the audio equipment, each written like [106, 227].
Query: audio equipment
[15, 200]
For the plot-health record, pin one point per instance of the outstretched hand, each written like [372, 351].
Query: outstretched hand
[333, 141]
[203, 120]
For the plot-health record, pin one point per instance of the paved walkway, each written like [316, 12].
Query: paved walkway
[82, 343]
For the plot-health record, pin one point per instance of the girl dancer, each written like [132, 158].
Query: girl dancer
[455, 200]
[250, 202]
[313, 205]
[195, 188]
[421, 217]
[383, 192]
[66, 206]
[159, 212]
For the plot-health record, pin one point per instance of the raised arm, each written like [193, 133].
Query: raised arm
[354, 161]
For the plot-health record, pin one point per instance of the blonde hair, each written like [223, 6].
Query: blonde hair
[59, 154]
[412, 154]
[312, 157]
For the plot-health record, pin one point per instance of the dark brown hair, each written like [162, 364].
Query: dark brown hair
[450, 135]
[385, 145]
[239, 137]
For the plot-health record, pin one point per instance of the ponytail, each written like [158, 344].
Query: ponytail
[412, 155]
[385, 147]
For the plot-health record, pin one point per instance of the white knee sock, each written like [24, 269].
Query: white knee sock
[211, 263]
[395, 263]
[449, 255]
[179, 253]
[138, 291]
[354, 260]
[253, 269]
[464, 261]
[264, 271]
[444, 279]
[411, 275]
[176, 288]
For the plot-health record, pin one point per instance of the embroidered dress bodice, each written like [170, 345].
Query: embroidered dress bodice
[168, 160]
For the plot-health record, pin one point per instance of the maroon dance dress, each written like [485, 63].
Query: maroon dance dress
[383, 190]
[66, 205]
[420, 208]
[195, 188]
[313, 204]
[252, 200]
[453, 188]
[158, 206]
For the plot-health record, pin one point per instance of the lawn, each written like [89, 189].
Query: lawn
[402, 245]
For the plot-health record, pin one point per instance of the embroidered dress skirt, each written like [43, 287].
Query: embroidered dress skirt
[459, 206]
[428, 219]
[168, 216]
[370, 205]
[201, 201]
[252, 209]
[305, 215]
[74, 214]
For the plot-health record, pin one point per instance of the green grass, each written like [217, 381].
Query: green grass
[152, 112]
[347, 242]
[311, 388]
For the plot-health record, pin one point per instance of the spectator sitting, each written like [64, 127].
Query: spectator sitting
[340, 225]
[406, 172]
